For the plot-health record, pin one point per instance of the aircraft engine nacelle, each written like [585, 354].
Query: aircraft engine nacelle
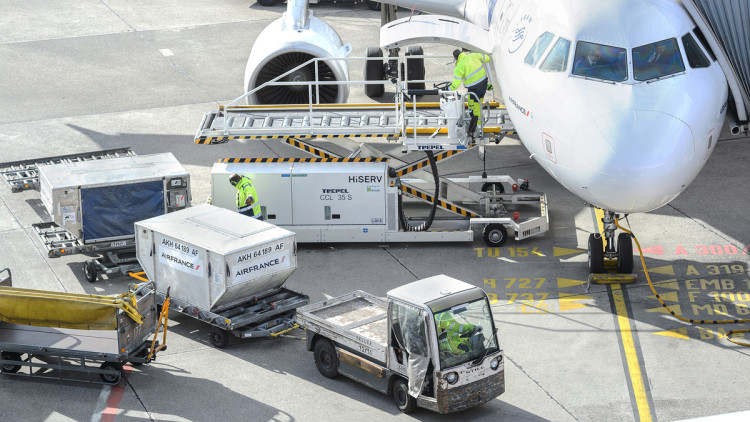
[288, 42]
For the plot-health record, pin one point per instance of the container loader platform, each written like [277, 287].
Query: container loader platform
[438, 128]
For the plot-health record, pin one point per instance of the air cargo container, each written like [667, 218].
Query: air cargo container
[223, 268]
[98, 201]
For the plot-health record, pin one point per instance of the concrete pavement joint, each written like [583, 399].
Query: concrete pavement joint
[150, 416]
[520, 368]
[397, 260]
[706, 227]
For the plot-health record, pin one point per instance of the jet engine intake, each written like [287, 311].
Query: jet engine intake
[284, 45]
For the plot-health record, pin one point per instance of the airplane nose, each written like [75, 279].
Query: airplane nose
[636, 160]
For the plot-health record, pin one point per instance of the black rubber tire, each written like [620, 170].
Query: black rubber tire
[497, 185]
[401, 397]
[596, 254]
[372, 5]
[415, 67]
[267, 2]
[495, 235]
[624, 254]
[10, 368]
[374, 71]
[90, 271]
[113, 379]
[326, 359]
[219, 337]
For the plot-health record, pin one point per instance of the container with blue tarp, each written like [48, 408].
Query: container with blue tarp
[100, 200]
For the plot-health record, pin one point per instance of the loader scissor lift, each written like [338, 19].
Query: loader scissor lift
[437, 128]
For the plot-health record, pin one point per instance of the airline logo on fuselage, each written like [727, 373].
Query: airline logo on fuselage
[518, 34]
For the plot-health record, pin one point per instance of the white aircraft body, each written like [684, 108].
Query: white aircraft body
[619, 100]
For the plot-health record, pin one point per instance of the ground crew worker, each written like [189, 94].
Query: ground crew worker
[470, 71]
[452, 342]
[247, 196]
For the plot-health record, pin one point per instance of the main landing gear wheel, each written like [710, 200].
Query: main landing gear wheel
[495, 235]
[596, 254]
[326, 359]
[624, 254]
[401, 397]
[415, 67]
[374, 71]
[372, 5]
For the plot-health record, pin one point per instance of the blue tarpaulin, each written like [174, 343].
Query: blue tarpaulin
[110, 211]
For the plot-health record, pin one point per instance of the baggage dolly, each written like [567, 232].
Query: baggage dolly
[94, 335]
[265, 315]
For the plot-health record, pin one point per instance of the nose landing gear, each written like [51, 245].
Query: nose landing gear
[611, 251]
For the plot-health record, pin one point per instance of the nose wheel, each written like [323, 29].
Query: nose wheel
[602, 248]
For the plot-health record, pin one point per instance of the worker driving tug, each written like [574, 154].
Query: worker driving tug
[461, 333]
[470, 71]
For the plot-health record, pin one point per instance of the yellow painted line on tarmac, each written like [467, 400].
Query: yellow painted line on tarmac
[628, 343]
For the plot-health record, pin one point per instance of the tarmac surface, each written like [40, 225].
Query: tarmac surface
[87, 75]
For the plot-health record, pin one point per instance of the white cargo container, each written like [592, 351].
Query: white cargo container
[99, 200]
[210, 257]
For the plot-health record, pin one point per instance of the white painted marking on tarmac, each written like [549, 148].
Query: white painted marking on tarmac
[507, 260]
[101, 403]
[327, 296]
[166, 52]
[141, 415]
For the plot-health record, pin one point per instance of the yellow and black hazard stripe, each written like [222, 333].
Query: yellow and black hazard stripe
[311, 149]
[426, 161]
[440, 203]
[303, 160]
[205, 140]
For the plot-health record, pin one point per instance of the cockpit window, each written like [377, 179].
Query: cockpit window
[557, 59]
[600, 61]
[656, 60]
[695, 56]
[540, 45]
[704, 42]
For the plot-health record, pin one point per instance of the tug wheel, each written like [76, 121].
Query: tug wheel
[401, 397]
[326, 358]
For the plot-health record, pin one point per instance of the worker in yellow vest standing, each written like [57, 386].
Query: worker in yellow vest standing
[470, 71]
[247, 197]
